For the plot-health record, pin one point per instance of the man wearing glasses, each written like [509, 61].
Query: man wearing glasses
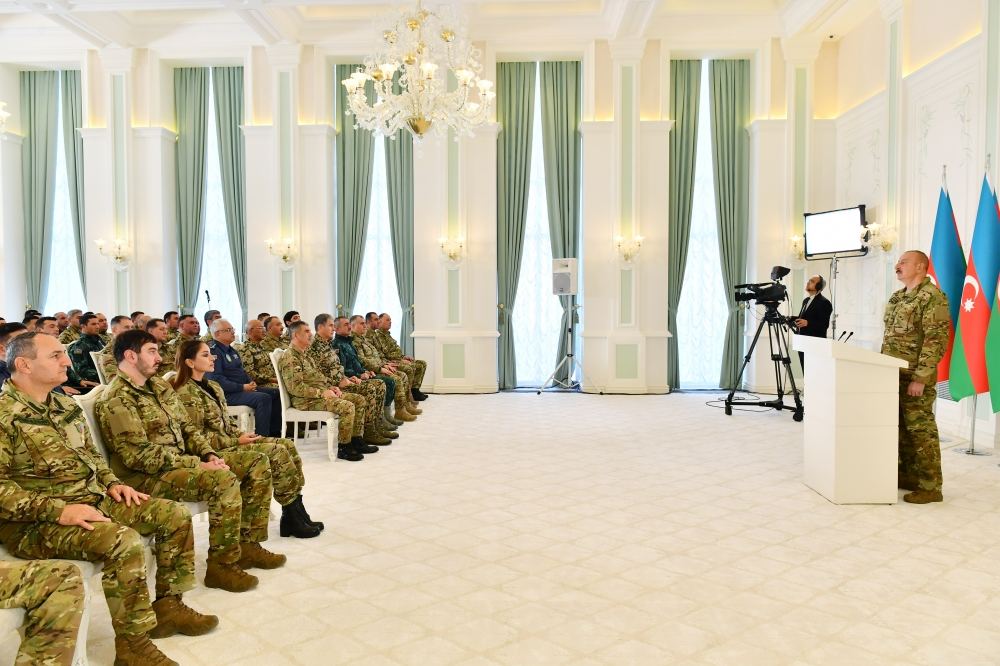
[239, 387]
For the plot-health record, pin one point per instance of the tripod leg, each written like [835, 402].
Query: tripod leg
[739, 377]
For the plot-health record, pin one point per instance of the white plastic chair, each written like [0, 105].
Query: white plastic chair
[98, 358]
[307, 417]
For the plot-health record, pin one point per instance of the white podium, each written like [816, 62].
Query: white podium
[851, 441]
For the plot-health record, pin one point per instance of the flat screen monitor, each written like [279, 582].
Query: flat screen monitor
[839, 232]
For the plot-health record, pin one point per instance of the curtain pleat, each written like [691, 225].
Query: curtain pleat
[399, 176]
[39, 102]
[191, 109]
[730, 111]
[227, 83]
[685, 81]
[72, 120]
[515, 103]
[355, 155]
[561, 107]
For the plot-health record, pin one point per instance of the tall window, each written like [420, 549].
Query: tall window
[65, 291]
[377, 287]
[537, 312]
[703, 310]
[216, 261]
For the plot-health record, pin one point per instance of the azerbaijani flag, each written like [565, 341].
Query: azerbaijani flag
[968, 361]
[993, 347]
[947, 270]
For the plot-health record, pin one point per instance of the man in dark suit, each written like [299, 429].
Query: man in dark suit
[814, 317]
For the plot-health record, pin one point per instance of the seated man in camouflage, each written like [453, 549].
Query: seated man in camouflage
[206, 407]
[58, 498]
[154, 447]
[52, 595]
[310, 390]
[188, 329]
[48, 326]
[102, 326]
[377, 430]
[382, 325]
[256, 359]
[372, 359]
[273, 337]
[72, 332]
[343, 344]
[79, 351]
[158, 329]
[119, 324]
[172, 318]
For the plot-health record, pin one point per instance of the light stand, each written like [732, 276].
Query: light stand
[834, 271]
[569, 361]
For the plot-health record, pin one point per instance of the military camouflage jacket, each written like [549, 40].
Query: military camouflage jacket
[368, 353]
[301, 376]
[916, 329]
[71, 334]
[270, 343]
[147, 429]
[326, 359]
[79, 354]
[172, 334]
[47, 458]
[257, 363]
[111, 368]
[387, 345]
[207, 412]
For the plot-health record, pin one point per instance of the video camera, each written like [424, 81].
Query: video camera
[764, 293]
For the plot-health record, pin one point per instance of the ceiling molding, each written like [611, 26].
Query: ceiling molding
[98, 29]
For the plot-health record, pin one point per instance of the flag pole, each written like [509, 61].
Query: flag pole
[971, 450]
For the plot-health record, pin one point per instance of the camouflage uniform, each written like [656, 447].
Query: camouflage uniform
[71, 334]
[52, 595]
[257, 362]
[207, 412]
[270, 343]
[111, 368]
[157, 450]
[324, 356]
[172, 334]
[168, 351]
[372, 359]
[916, 331]
[79, 354]
[306, 384]
[391, 350]
[47, 460]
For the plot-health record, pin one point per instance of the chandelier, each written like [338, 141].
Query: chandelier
[424, 77]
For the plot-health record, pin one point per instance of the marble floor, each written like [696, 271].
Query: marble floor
[577, 529]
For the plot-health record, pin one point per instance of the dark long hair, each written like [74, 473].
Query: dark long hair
[185, 352]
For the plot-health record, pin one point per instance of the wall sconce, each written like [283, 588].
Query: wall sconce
[4, 115]
[117, 251]
[452, 249]
[878, 236]
[628, 248]
[284, 250]
[797, 247]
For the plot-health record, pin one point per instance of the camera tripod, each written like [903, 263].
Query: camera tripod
[776, 324]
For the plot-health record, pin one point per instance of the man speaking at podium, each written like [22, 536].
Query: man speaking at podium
[814, 317]
[916, 331]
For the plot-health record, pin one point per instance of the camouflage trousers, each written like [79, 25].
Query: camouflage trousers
[919, 446]
[419, 369]
[117, 543]
[286, 466]
[402, 395]
[373, 391]
[350, 410]
[52, 595]
[239, 499]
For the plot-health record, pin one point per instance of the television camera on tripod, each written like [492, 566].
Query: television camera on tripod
[771, 295]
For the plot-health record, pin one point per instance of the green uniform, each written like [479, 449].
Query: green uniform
[270, 343]
[393, 352]
[916, 331]
[71, 334]
[168, 351]
[206, 411]
[373, 360]
[172, 333]
[47, 460]
[325, 357]
[156, 449]
[79, 355]
[257, 362]
[306, 385]
[111, 368]
[52, 595]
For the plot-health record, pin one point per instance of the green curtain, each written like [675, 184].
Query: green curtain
[399, 176]
[191, 108]
[227, 84]
[730, 110]
[515, 104]
[72, 120]
[559, 84]
[355, 155]
[685, 81]
[39, 104]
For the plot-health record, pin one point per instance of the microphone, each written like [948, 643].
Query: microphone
[207, 297]
[842, 336]
[848, 337]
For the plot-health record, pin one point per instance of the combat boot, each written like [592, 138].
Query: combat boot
[389, 425]
[402, 414]
[173, 617]
[373, 436]
[139, 651]
[358, 446]
[387, 412]
[923, 496]
[228, 577]
[388, 434]
[418, 395]
[413, 409]
[252, 554]
[293, 524]
[301, 507]
[345, 452]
